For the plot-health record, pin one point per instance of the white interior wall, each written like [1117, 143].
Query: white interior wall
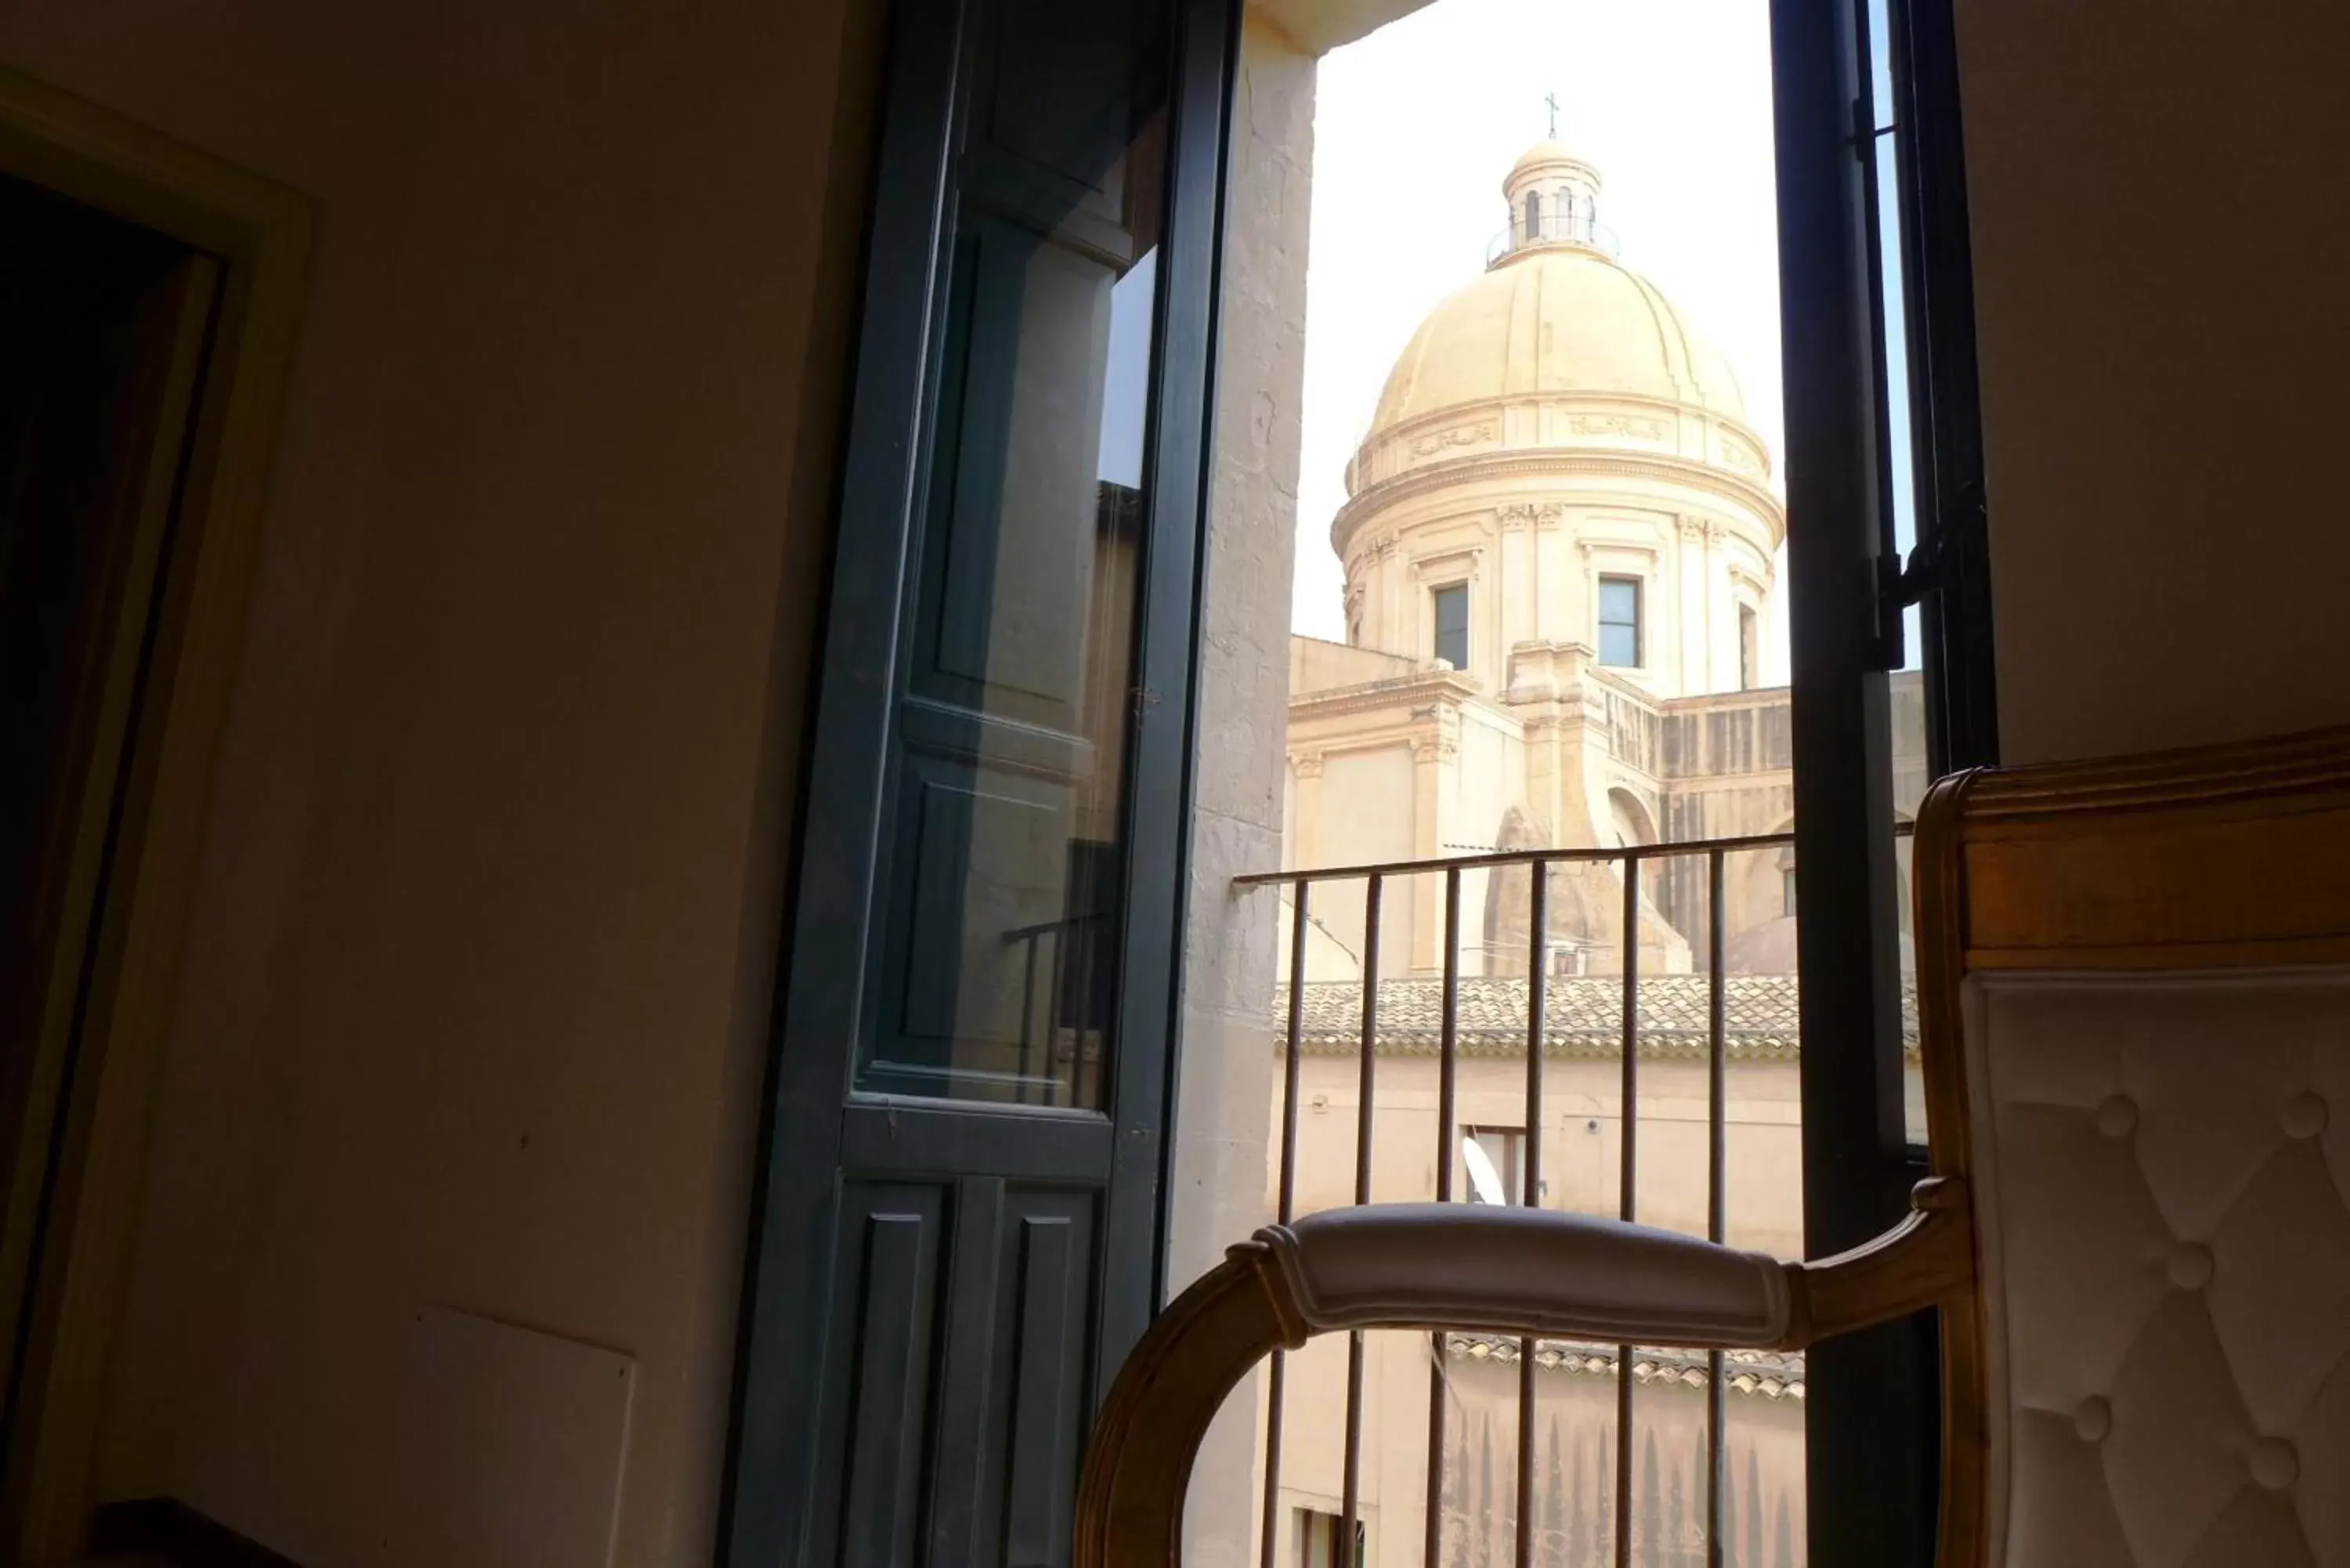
[473, 1014]
[2160, 246]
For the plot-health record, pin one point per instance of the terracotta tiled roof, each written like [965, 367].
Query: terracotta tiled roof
[1583, 1016]
[1766, 1373]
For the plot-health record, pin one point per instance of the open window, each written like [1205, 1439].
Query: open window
[1049, 806]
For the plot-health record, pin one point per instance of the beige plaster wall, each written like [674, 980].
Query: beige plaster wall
[1368, 802]
[475, 1007]
[1581, 1119]
[2159, 249]
[1763, 1451]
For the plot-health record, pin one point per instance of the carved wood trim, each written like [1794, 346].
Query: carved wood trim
[1928, 1260]
[1139, 1465]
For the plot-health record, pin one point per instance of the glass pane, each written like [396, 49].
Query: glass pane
[1453, 626]
[996, 973]
[1906, 696]
[1618, 644]
[1619, 601]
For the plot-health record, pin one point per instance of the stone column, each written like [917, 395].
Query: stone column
[1436, 813]
[1304, 846]
[1693, 555]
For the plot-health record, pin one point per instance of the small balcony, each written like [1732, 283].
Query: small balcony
[1577, 229]
[1593, 1077]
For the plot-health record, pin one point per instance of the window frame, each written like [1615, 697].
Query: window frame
[1866, 1503]
[1311, 1521]
[1872, 1412]
[1511, 1168]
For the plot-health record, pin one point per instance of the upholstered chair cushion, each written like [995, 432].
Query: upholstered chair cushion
[2162, 1198]
[1527, 1271]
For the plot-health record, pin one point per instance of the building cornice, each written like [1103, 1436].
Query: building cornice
[1595, 405]
[1417, 694]
[1536, 463]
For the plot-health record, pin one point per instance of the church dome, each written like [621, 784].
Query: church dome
[1556, 365]
[1555, 318]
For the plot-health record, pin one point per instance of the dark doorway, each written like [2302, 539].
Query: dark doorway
[104, 328]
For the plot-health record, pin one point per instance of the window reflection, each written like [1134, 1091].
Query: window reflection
[997, 966]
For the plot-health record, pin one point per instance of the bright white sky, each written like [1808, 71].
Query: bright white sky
[1414, 128]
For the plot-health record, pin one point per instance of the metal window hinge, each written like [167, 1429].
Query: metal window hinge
[1866, 132]
[1901, 583]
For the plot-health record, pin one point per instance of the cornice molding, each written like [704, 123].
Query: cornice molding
[1588, 403]
[1545, 462]
[1414, 695]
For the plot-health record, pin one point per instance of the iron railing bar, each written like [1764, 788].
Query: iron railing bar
[1275, 1386]
[1530, 1188]
[1447, 1134]
[1448, 1042]
[1717, 1035]
[1287, 1198]
[1350, 1485]
[1350, 1506]
[1276, 1381]
[1045, 928]
[1028, 1018]
[1527, 856]
[1372, 899]
[1629, 1094]
[1717, 1198]
[1516, 857]
[1059, 973]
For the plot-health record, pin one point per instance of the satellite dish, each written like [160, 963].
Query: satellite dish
[1485, 1181]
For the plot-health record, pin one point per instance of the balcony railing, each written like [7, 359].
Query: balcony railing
[1575, 228]
[1684, 1017]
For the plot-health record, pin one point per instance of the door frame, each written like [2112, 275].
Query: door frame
[261, 232]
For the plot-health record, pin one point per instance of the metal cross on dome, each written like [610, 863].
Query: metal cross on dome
[1552, 98]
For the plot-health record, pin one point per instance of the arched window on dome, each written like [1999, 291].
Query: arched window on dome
[1533, 214]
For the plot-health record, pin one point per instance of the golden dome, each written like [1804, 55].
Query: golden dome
[1555, 318]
